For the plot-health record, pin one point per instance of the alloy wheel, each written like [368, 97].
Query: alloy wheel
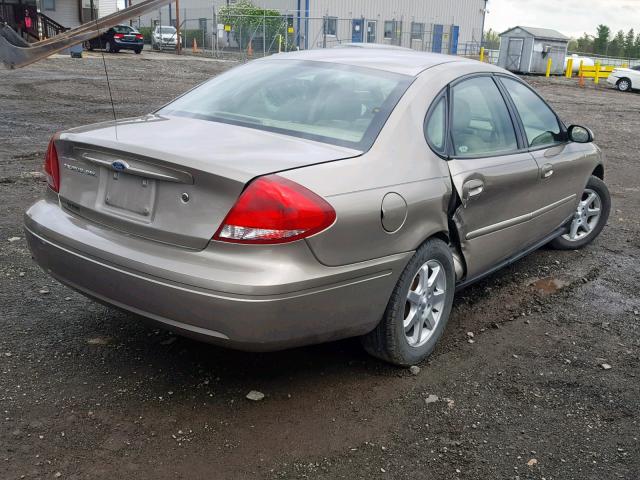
[425, 303]
[623, 85]
[586, 217]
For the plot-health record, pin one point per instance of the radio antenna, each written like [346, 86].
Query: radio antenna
[106, 73]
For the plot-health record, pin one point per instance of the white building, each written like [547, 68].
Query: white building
[447, 26]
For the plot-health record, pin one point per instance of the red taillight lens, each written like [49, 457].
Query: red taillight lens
[139, 36]
[275, 210]
[118, 35]
[52, 167]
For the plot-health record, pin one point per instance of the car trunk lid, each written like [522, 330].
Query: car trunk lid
[172, 179]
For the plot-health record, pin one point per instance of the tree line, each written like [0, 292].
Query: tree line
[621, 44]
[603, 43]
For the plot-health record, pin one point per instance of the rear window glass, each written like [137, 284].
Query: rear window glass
[330, 103]
[123, 29]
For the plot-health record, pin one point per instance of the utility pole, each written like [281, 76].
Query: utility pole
[179, 42]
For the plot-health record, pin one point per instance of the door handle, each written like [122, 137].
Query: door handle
[470, 189]
[546, 171]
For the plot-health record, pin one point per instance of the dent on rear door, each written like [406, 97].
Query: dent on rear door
[492, 220]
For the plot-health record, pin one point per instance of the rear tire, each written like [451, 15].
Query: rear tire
[586, 224]
[108, 47]
[419, 308]
[624, 85]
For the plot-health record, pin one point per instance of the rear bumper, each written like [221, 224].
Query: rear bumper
[247, 299]
[124, 45]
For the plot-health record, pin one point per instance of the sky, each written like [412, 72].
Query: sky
[570, 17]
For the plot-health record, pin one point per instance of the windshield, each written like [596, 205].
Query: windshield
[330, 103]
[123, 29]
[168, 30]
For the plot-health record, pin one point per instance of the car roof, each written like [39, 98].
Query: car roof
[380, 57]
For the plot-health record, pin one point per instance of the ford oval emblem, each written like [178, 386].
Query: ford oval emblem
[119, 165]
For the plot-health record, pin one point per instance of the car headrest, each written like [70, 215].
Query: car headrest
[461, 114]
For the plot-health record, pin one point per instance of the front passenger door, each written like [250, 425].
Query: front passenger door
[563, 167]
[493, 176]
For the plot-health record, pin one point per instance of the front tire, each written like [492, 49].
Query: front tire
[624, 85]
[138, 51]
[589, 219]
[419, 308]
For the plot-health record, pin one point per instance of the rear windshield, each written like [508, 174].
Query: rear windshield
[124, 29]
[330, 103]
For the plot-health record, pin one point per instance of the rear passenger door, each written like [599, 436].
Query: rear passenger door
[493, 175]
[562, 166]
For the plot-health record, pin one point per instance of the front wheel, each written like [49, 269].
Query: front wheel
[138, 51]
[589, 218]
[624, 85]
[419, 308]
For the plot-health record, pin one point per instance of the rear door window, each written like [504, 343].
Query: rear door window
[540, 123]
[480, 121]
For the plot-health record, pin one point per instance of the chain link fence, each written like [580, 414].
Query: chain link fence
[241, 37]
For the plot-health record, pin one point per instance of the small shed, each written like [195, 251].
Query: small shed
[528, 49]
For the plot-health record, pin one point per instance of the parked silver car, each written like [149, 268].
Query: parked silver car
[164, 37]
[317, 195]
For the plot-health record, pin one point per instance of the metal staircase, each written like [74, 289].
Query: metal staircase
[43, 27]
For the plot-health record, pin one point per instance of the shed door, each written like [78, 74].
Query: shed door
[514, 54]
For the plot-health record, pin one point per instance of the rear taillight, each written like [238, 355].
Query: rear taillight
[273, 209]
[139, 36]
[52, 167]
[118, 35]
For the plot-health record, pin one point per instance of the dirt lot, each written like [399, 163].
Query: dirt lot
[90, 392]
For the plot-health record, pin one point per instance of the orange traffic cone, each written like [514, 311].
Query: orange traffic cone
[250, 49]
[581, 81]
[194, 47]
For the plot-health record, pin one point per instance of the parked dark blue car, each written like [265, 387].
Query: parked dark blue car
[120, 37]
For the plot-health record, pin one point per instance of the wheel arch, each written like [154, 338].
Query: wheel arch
[598, 171]
[628, 79]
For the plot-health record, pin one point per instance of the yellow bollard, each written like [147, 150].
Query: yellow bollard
[569, 72]
[482, 54]
[597, 77]
[279, 43]
[548, 73]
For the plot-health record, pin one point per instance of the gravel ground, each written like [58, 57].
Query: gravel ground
[91, 392]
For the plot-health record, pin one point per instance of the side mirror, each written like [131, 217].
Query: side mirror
[580, 134]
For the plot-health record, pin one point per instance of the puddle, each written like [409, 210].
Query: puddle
[548, 285]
